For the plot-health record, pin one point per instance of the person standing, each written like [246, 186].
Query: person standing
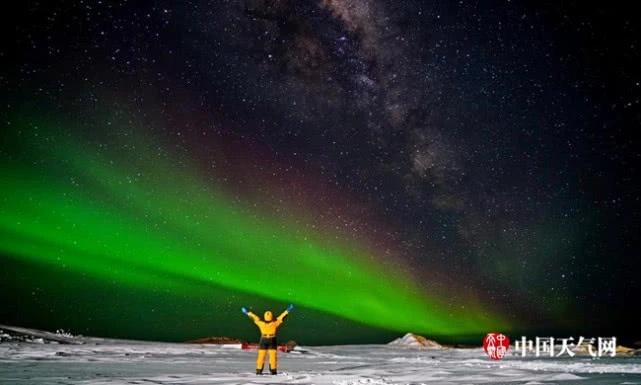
[268, 344]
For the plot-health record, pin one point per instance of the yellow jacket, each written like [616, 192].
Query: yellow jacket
[268, 328]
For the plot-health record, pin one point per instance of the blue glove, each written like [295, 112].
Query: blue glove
[244, 310]
[290, 307]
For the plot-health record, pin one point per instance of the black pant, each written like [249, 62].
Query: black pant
[268, 343]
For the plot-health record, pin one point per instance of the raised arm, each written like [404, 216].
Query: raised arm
[251, 315]
[254, 317]
[284, 314]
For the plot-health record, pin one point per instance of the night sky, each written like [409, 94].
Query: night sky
[448, 168]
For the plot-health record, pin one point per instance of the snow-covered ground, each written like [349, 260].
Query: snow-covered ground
[99, 361]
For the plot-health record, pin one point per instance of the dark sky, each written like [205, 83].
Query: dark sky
[494, 140]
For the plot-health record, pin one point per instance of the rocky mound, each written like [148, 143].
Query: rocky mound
[19, 334]
[415, 340]
[216, 340]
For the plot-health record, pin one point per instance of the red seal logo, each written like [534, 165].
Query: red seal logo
[496, 345]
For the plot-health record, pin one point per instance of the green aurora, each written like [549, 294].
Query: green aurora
[126, 213]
